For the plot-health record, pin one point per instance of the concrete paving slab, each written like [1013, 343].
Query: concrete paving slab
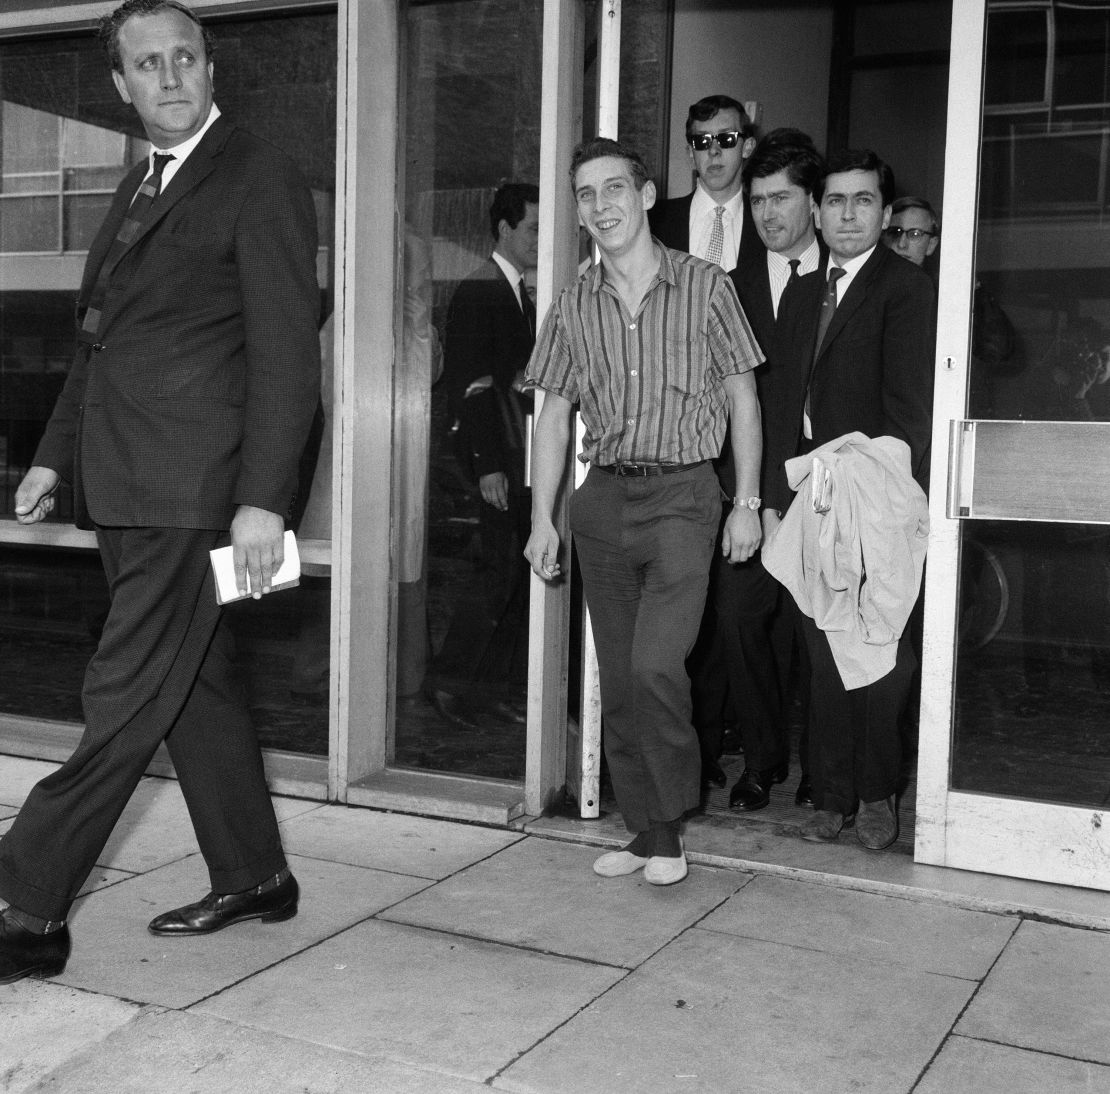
[18, 775]
[865, 926]
[403, 844]
[1050, 990]
[454, 1004]
[976, 1067]
[168, 1052]
[114, 953]
[43, 1024]
[543, 895]
[155, 828]
[804, 1021]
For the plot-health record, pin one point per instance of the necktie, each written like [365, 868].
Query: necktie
[128, 229]
[529, 308]
[794, 264]
[828, 306]
[717, 238]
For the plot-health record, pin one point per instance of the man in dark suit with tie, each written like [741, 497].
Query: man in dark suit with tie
[491, 328]
[855, 341]
[779, 179]
[182, 419]
[713, 221]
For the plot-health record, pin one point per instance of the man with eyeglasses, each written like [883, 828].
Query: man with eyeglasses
[652, 345]
[913, 231]
[713, 221]
[854, 343]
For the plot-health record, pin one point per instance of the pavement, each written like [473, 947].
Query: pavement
[435, 957]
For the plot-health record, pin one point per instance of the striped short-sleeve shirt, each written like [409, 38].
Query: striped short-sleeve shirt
[649, 386]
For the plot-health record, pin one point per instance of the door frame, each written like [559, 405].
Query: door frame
[974, 831]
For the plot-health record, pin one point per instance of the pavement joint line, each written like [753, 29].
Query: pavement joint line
[1036, 1051]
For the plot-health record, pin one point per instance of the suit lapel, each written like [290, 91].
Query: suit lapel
[200, 163]
[105, 237]
[853, 298]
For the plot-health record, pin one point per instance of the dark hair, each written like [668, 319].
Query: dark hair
[788, 150]
[859, 159]
[509, 204]
[902, 204]
[598, 147]
[111, 25]
[704, 109]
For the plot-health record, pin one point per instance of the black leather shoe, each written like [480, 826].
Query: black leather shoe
[753, 789]
[804, 794]
[25, 953]
[712, 774]
[217, 910]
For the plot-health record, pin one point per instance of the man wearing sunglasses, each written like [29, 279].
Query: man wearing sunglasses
[713, 221]
[913, 231]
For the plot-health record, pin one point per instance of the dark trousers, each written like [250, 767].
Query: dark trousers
[644, 547]
[854, 736]
[746, 599]
[164, 670]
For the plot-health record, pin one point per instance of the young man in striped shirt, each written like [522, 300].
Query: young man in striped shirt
[654, 347]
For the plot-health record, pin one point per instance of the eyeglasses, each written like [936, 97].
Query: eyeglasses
[914, 234]
[727, 138]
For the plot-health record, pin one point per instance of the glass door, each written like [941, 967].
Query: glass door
[1015, 760]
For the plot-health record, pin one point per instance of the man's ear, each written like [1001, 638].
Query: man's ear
[933, 241]
[648, 194]
[886, 217]
[121, 86]
[747, 148]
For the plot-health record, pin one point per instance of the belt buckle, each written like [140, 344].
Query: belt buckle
[631, 470]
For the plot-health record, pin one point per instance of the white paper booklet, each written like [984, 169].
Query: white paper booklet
[223, 567]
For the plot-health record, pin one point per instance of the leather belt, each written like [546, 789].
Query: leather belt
[643, 470]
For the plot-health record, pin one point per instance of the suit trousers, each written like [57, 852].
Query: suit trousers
[163, 670]
[746, 601]
[854, 747]
[644, 547]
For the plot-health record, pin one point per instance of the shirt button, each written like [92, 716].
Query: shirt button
[634, 373]
[631, 326]
[631, 421]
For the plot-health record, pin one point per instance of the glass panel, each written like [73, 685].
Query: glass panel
[60, 112]
[1032, 700]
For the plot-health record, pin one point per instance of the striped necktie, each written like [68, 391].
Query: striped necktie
[128, 230]
[828, 306]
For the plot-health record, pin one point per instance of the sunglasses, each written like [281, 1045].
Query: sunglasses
[727, 138]
[915, 234]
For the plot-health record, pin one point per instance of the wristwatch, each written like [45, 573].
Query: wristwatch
[752, 503]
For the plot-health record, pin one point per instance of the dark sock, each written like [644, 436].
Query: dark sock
[641, 845]
[667, 844]
[33, 923]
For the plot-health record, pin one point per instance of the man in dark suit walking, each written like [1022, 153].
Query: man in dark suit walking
[491, 328]
[183, 418]
[713, 221]
[866, 366]
[779, 178]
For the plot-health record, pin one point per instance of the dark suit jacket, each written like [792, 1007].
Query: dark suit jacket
[204, 379]
[670, 224]
[874, 370]
[487, 335]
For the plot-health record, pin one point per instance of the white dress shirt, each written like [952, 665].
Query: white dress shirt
[703, 214]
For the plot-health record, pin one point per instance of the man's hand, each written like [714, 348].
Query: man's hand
[34, 497]
[258, 548]
[741, 537]
[495, 489]
[542, 551]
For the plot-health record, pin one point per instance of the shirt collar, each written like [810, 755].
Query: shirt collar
[853, 265]
[507, 268]
[595, 275]
[807, 260]
[703, 204]
[182, 151]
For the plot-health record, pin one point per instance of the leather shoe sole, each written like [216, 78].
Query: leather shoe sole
[753, 789]
[665, 871]
[219, 910]
[25, 953]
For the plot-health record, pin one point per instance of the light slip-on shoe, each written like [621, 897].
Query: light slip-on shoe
[619, 863]
[825, 825]
[877, 824]
[665, 871]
